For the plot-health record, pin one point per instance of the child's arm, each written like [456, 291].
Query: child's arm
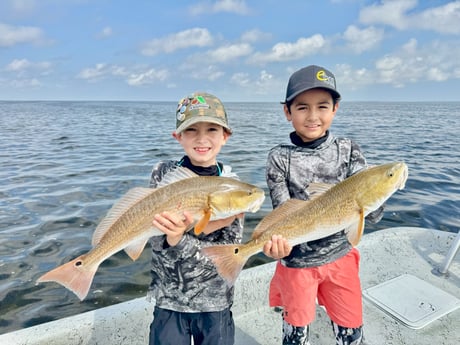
[275, 175]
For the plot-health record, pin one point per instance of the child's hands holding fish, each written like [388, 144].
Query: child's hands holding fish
[173, 225]
[277, 248]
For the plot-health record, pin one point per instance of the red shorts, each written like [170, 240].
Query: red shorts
[336, 285]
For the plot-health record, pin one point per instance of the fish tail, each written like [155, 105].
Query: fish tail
[228, 260]
[72, 275]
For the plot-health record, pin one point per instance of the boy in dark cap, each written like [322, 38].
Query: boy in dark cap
[326, 270]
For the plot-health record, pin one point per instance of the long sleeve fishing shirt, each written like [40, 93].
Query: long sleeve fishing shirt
[183, 279]
[291, 168]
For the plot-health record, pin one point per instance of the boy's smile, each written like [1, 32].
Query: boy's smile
[202, 142]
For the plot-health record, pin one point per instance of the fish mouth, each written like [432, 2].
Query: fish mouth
[255, 206]
[404, 175]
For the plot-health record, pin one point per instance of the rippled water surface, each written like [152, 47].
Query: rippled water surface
[63, 164]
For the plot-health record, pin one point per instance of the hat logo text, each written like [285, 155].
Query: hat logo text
[322, 76]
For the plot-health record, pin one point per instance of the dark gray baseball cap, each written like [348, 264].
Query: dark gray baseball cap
[308, 78]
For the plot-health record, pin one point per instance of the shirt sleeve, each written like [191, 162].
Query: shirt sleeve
[275, 174]
[357, 160]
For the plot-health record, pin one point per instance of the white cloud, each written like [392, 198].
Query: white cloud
[443, 19]
[352, 79]
[105, 33]
[147, 77]
[262, 84]
[231, 6]
[228, 52]
[432, 62]
[241, 79]
[23, 6]
[25, 83]
[26, 73]
[133, 75]
[436, 74]
[220, 55]
[409, 64]
[12, 35]
[196, 37]
[291, 51]
[401, 15]
[389, 12]
[360, 40]
[19, 65]
[97, 72]
[211, 73]
[255, 35]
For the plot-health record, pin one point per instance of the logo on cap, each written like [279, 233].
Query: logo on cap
[322, 76]
[199, 103]
[181, 108]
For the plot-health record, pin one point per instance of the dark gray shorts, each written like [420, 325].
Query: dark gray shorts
[175, 328]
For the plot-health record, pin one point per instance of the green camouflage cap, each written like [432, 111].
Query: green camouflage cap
[200, 107]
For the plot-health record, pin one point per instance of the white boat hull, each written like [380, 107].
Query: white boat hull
[385, 255]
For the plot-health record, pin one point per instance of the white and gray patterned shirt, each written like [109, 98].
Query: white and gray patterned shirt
[183, 279]
[291, 168]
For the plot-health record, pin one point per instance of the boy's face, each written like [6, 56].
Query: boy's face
[202, 142]
[311, 114]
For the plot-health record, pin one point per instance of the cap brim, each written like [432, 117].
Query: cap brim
[298, 92]
[187, 123]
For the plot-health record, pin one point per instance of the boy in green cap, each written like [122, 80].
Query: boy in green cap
[191, 299]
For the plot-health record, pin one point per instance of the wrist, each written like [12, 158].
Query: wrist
[173, 240]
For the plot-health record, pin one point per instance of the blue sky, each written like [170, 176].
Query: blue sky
[240, 50]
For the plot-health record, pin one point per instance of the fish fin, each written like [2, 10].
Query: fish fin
[316, 189]
[176, 174]
[355, 231]
[228, 260]
[72, 275]
[127, 201]
[201, 224]
[276, 215]
[134, 249]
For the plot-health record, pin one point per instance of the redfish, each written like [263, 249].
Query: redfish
[128, 224]
[330, 210]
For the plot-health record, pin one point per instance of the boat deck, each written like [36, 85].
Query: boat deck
[385, 255]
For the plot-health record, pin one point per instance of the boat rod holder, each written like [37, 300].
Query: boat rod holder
[442, 270]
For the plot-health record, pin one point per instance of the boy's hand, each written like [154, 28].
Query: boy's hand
[173, 225]
[277, 248]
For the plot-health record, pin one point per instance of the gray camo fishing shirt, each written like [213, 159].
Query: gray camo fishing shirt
[183, 279]
[289, 171]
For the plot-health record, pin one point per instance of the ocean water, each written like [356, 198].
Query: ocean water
[63, 164]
